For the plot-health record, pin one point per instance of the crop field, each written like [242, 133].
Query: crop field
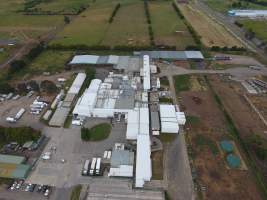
[14, 24]
[212, 33]
[129, 27]
[258, 26]
[168, 28]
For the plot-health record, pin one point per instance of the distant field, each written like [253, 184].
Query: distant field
[129, 27]
[224, 5]
[259, 27]
[16, 25]
[212, 33]
[61, 6]
[168, 28]
[89, 28]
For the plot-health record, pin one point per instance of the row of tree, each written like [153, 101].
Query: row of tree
[113, 14]
[148, 19]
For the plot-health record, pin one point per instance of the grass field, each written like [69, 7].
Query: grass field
[182, 83]
[96, 133]
[129, 27]
[258, 26]
[49, 61]
[168, 28]
[212, 34]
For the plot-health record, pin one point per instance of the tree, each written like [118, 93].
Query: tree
[66, 19]
[16, 66]
[22, 88]
[5, 88]
[34, 85]
[48, 86]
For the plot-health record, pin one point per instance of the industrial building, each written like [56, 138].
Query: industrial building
[63, 110]
[172, 55]
[248, 13]
[127, 95]
[13, 167]
[122, 163]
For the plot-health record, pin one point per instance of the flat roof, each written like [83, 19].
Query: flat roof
[172, 55]
[11, 159]
[59, 116]
[121, 157]
[84, 59]
[155, 123]
[10, 170]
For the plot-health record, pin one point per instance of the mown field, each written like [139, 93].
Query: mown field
[168, 28]
[211, 33]
[129, 27]
[257, 26]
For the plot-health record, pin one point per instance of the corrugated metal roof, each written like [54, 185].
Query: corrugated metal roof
[155, 123]
[77, 83]
[169, 127]
[121, 157]
[194, 55]
[167, 111]
[11, 159]
[84, 59]
[102, 60]
[143, 160]
[113, 59]
[173, 55]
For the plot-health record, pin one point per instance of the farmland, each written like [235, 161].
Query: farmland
[211, 33]
[257, 26]
[61, 6]
[129, 27]
[14, 24]
[168, 28]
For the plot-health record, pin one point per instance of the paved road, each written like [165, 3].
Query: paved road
[179, 178]
[228, 23]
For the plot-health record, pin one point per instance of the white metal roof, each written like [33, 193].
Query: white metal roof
[84, 59]
[169, 127]
[121, 171]
[194, 55]
[146, 72]
[144, 116]
[113, 59]
[77, 83]
[143, 160]
[167, 111]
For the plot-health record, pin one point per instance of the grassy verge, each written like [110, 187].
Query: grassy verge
[234, 133]
[75, 194]
[192, 119]
[157, 165]
[96, 133]
[164, 81]
[165, 100]
[182, 83]
[167, 137]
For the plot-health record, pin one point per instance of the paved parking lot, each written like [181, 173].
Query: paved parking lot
[71, 148]
[10, 108]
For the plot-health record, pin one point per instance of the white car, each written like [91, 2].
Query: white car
[28, 187]
[46, 156]
[47, 192]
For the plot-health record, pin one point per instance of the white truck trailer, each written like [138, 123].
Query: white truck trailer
[19, 114]
[98, 165]
[10, 119]
[85, 167]
[92, 169]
